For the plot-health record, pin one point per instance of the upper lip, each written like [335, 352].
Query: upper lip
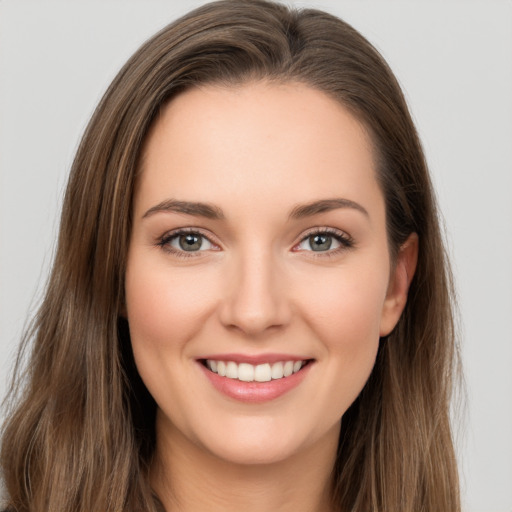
[254, 359]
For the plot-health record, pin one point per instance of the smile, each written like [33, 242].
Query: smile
[247, 372]
[255, 379]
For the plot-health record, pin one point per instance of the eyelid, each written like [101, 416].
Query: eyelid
[346, 241]
[163, 241]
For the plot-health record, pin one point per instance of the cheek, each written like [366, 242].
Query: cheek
[346, 316]
[347, 306]
[165, 308]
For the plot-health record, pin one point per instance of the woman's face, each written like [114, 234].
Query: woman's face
[258, 249]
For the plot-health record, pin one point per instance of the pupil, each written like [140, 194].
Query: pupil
[320, 242]
[190, 242]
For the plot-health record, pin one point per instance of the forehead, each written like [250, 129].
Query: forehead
[259, 140]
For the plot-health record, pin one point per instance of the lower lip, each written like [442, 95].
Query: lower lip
[255, 392]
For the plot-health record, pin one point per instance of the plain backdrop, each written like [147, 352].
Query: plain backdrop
[454, 61]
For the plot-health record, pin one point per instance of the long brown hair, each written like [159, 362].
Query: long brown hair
[80, 436]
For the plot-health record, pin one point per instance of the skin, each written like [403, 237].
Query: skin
[256, 152]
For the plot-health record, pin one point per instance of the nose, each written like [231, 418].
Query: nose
[255, 299]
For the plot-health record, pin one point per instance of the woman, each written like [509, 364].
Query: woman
[250, 302]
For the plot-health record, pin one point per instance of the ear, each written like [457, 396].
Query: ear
[399, 282]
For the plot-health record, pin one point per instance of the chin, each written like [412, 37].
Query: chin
[254, 452]
[263, 441]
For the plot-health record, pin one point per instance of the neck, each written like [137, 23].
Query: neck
[187, 478]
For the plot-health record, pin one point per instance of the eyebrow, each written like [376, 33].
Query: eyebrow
[325, 205]
[188, 207]
[214, 212]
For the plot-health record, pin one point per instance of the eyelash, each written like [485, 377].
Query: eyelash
[164, 242]
[345, 241]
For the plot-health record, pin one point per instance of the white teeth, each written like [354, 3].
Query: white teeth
[231, 370]
[288, 368]
[277, 371]
[249, 373]
[245, 372]
[262, 373]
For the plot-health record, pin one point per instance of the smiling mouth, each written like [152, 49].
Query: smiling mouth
[246, 372]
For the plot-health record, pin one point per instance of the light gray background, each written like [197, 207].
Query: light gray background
[454, 60]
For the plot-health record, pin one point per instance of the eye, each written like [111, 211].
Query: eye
[324, 241]
[181, 242]
[190, 242]
[319, 242]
